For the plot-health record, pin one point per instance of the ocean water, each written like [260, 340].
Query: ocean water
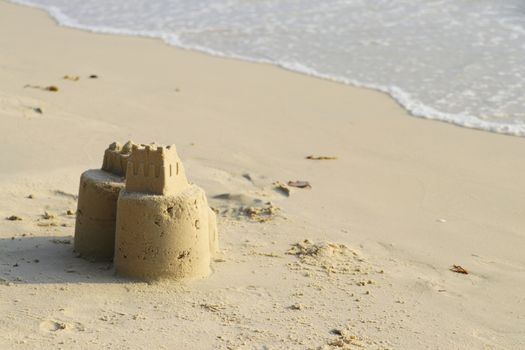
[461, 61]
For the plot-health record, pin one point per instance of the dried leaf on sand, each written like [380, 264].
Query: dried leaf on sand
[52, 88]
[299, 184]
[458, 269]
[312, 157]
[71, 77]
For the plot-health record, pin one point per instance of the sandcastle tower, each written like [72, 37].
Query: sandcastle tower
[97, 204]
[164, 227]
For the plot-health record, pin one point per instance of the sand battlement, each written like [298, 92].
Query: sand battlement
[116, 158]
[155, 169]
[149, 219]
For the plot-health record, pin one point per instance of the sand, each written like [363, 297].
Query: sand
[164, 226]
[405, 200]
[96, 214]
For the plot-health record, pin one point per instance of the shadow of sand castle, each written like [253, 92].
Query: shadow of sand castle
[49, 259]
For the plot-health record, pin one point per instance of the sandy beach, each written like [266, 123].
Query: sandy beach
[404, 200]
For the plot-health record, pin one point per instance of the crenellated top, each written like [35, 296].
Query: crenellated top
[116, 158]
[155, 169]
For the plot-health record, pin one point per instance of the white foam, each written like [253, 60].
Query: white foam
[449, 60]
[417, 108]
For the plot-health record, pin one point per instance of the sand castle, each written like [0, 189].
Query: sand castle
[141, 211]
[97, 204]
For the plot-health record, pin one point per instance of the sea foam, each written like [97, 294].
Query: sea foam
[457, 61]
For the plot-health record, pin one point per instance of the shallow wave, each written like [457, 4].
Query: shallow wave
[486, 96]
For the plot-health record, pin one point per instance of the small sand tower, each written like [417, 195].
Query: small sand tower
[97, 204]
[165, 228]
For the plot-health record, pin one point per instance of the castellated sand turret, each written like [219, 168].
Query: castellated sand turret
[155, 170]
[164, 228]
[116, 158]
[97, 204]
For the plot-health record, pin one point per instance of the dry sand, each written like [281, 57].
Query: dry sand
[405, 200]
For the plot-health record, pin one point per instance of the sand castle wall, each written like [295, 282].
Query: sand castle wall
[97, 204]
[96, 214]
[163, 236]
[165, 228]
[116, 158]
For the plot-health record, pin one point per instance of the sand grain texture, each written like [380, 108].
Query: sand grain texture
[408, 196]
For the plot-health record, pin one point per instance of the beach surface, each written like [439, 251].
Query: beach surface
[362, 259]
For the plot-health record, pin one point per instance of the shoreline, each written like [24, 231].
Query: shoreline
[408, 196]
[413, 109]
